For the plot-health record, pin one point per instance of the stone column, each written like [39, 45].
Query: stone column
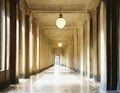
[109, 44]
[34, 45]
[95, 66]
[42, 49]
[118, 86]
[103, 47]
[88, 44]
[2, 42]
[41, 44]
[97, 77]
[27, 43]
[75, 49]
[38, 49]
[7, 39]
[2, 35]
[91, 46]
[71, 60]
[22, 45]
[94, 46]
[112, 44]
[98, 43]
[44, 52]
[14, 26]
[81, 50]
[30, 45]
[85, 48]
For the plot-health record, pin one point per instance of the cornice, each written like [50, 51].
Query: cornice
[57, 8]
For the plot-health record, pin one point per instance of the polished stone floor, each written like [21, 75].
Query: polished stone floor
[57, 79]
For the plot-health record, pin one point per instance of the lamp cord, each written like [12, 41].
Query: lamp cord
[60, 16]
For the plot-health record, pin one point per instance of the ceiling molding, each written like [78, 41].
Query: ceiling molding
[54, 28]
[56, 8]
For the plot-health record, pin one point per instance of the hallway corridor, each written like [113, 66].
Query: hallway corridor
[83, 35]
[57, 79]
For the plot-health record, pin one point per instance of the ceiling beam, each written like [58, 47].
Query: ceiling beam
[58, 8]
[55, 28]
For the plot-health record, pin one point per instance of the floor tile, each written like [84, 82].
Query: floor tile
[57, 79]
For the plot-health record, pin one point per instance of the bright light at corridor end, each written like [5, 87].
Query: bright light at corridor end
[59, 44]
[60, 22]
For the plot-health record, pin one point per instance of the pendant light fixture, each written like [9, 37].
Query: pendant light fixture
[59, 44]
[60, 22]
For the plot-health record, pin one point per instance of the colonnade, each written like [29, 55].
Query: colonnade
[24, 49]
[35, 54]
[94, 50]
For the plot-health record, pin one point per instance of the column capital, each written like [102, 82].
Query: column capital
[88, 16]
[23, 6]
[28, 12]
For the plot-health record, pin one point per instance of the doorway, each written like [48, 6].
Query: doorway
[57, 60]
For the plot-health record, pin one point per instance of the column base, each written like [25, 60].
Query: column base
[4, 84]
[77, 71]
[91, 75]
[84, 73]
[24, 76]
[103, 86]
[118, 87]
[97, 78]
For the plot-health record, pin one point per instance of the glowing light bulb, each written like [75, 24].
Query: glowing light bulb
[60, 22]
[59, 44]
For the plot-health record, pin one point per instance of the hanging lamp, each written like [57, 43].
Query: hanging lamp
[59, 44]
[60, 22]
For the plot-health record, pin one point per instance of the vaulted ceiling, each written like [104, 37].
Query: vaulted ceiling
[47, 11]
